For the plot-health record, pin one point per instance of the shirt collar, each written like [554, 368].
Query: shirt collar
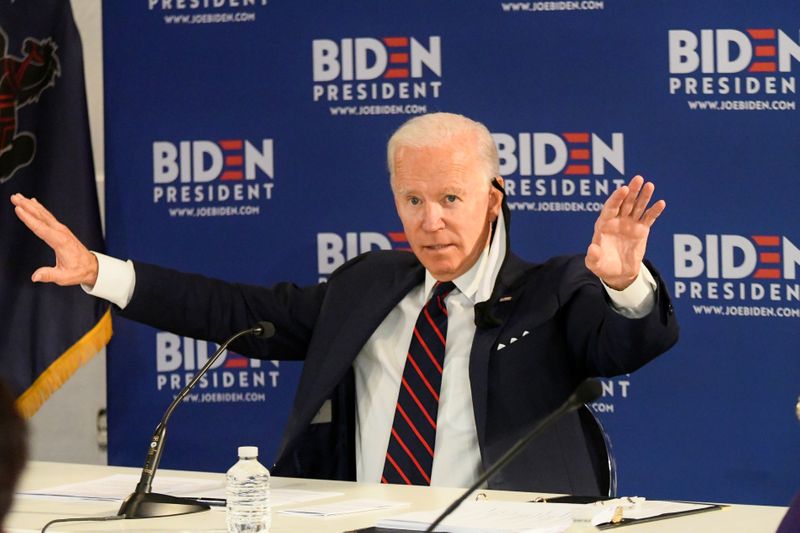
[477, 282]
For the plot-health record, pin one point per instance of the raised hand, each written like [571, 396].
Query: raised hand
[620, 233]
[75, 264]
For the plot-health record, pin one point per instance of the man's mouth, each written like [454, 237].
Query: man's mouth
[436, 247]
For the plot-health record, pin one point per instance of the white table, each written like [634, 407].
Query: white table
[29, 515]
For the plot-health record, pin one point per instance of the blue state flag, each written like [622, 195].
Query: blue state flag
[46, 332]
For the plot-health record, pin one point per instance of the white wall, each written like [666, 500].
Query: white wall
[65, 428]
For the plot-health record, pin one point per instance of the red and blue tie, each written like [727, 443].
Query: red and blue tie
[409, 456]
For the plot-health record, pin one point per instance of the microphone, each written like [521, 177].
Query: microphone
[588, 391]
[142, 503]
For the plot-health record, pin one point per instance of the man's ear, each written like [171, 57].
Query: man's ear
[496, 194]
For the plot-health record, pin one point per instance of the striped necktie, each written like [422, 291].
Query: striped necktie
[409, 456]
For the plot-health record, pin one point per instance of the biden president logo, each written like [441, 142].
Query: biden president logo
[377, 75]
[232, 378]
[228, 177]
[560, 171]
[734, 69]
[738, 275]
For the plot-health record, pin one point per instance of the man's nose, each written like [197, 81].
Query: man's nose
[432, 218]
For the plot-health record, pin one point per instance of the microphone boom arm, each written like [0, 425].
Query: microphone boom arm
[587, 391]
[143, 503]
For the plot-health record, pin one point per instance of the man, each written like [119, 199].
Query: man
[399, 386]
[13, 449]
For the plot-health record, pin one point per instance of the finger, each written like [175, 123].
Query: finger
[644, 198]
[44, 213]
[26, 205]
[51, 236]
[54, 275]
[18, 198]
[20, 201]
[612, 205]
[593, 254]
[34, 208]
[654, 212]
[635, 186]
[45, 275]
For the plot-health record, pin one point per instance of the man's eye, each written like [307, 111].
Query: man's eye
[451, 198]
[413, 201]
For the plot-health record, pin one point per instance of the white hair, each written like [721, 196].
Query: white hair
[441, 129]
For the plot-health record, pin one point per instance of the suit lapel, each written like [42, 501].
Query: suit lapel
[361, 317]
[485, 339]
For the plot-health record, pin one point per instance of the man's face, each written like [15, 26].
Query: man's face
[446, 205]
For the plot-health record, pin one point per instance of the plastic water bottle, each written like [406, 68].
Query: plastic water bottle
[247, 494]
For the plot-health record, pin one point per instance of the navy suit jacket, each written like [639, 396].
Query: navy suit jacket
[572, 333]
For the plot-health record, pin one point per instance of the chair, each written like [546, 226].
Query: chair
[602, 454]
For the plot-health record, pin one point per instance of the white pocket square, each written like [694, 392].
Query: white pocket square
[512, 340]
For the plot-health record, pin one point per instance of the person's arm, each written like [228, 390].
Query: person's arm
[187, 304]
[201, 307]
[639, 323]
[605, 341]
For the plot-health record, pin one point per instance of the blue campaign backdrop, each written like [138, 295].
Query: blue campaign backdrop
[246, 139]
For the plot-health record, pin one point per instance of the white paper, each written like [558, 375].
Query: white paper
[281, 496]
[343, 507]
[636, 508]
[489, 517]
[118, 486]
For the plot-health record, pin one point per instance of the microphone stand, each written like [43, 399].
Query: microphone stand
[142, 503]
[586, 392]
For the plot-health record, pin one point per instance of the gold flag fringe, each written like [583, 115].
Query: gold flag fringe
[62, 368]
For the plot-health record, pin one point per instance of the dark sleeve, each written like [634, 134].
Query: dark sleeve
[604, 342]
[204, 308]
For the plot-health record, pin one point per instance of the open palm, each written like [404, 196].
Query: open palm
[620, 233]
[74, 263]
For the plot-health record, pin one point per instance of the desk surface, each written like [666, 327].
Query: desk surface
[30, 515]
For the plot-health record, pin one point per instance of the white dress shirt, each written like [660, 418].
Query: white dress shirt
[379, 365]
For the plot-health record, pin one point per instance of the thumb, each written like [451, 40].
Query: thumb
[45, 275]
[593, 254]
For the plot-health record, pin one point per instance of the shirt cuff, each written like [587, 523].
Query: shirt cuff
[636, 300]
[116, 280]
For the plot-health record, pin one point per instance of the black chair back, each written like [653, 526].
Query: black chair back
[602, 454]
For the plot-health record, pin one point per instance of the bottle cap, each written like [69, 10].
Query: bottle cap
[248, 452]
